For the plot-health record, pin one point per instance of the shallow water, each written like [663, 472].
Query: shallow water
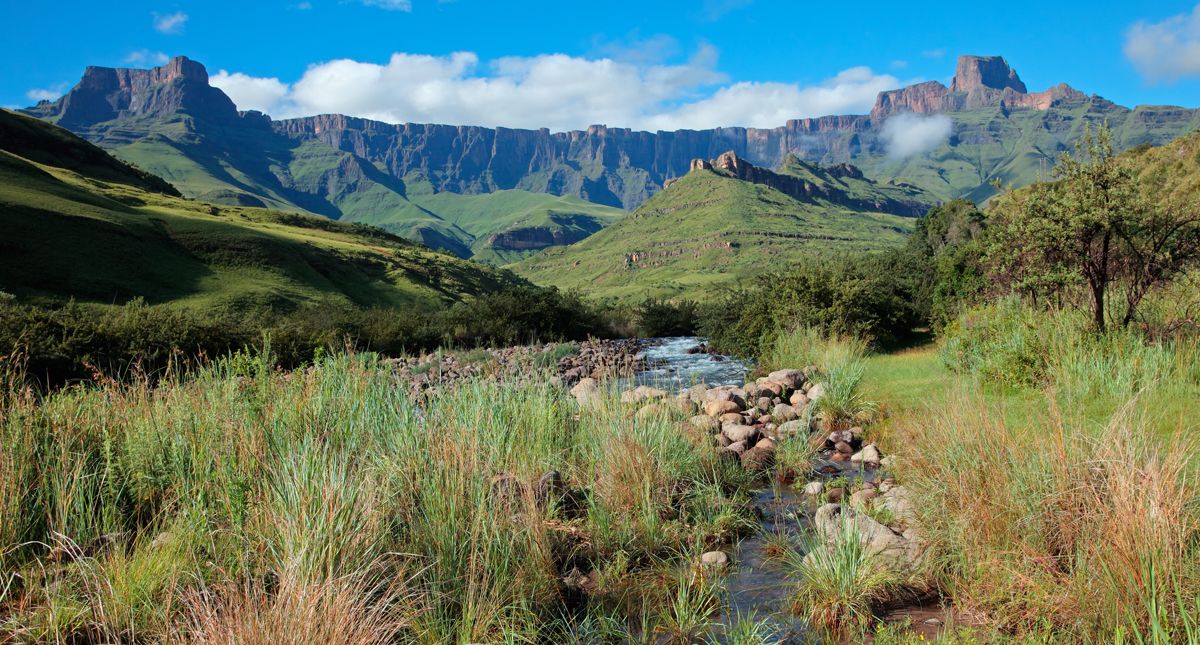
[672, 368]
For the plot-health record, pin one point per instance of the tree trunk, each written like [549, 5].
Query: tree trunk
[1098, 304]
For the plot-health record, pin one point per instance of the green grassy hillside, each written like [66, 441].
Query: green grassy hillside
[73, 235]
[704, 233]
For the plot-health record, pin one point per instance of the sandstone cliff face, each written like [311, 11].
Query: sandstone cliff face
[106, 94]
[613, 166]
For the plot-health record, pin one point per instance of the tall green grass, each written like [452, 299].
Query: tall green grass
[242, 503]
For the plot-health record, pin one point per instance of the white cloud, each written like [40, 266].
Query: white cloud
[47, 93]
[304, 6]
[171, 23]
[146, 57]
[551, 90]
[934, 53]
[1166, 50]
[390, 5]
[249, 92]
[911, 134]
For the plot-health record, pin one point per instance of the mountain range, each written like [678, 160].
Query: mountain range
[501, 194]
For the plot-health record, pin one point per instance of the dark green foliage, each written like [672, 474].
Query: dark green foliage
[1095, 230]
[75, 340]
[942, 259]
[520, 315]
[865, 296]
[659, 318]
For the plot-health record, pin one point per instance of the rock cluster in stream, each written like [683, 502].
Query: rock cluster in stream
[595, 359]
[748, 422]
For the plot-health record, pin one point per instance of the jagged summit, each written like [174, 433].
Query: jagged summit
[979, 82]
[974, 72]
[107, 93]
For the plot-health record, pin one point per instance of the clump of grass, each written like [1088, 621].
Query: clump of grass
[1049, 519]
[839, 582]
[690, 613]
[195, 505]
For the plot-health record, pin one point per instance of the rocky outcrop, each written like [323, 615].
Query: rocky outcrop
[979, 82]
[729, 163]
[107, 94]
[979, 72]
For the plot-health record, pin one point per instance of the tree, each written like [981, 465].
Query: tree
[1094, 227]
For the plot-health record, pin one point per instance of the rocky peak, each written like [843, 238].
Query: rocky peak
[975, 72]
[106, 93]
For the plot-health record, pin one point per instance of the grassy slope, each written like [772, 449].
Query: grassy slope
[67, 235]
[701, 235]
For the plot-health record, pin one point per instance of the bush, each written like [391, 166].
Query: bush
[659, 318]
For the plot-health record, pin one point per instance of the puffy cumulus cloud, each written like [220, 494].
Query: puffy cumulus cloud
[171, 23]
[250, 92]
[552, 90]
[911, 134]
[768, 105]
[1167, 50]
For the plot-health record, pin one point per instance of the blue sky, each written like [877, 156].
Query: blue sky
[560, 64]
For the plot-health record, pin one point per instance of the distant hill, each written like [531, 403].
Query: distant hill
[80, 224]
[408, 178]
[728, 221]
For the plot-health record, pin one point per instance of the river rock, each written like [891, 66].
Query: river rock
[792, 428]
[798, 400]
[896, 500]
[766, 442]
[763, 404]
[642, 393]
[738, 433]
[728, 455]
[816, 392]
[738, 447]
[717, 408]
[862, 498]
[705, 423]
[714, 559]
[870, 454]
[770, 389]
[686, 406]
[758, 459]
[783, 412]
[843, 448]
[793, 379]
[732, 417]
[892, 549]
[587, 392]
[813, 489]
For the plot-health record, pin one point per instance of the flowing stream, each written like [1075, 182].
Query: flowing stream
[757, 585]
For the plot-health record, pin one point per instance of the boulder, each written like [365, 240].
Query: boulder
[705, 423]
[765, 442]
[814, 489]
[816, 392]
[783, 412]
[738, 447]
[717, 408]
[587, 392]
[758, 459]
[770, 389]
[798, 399]
[763, 404]
[714, 559]
[843, 448]
[832, 521]
[731, 417]
[896, 500]
[792, 428]
[738, 433]
[792, 379]
[870, 454]
[686, 406]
